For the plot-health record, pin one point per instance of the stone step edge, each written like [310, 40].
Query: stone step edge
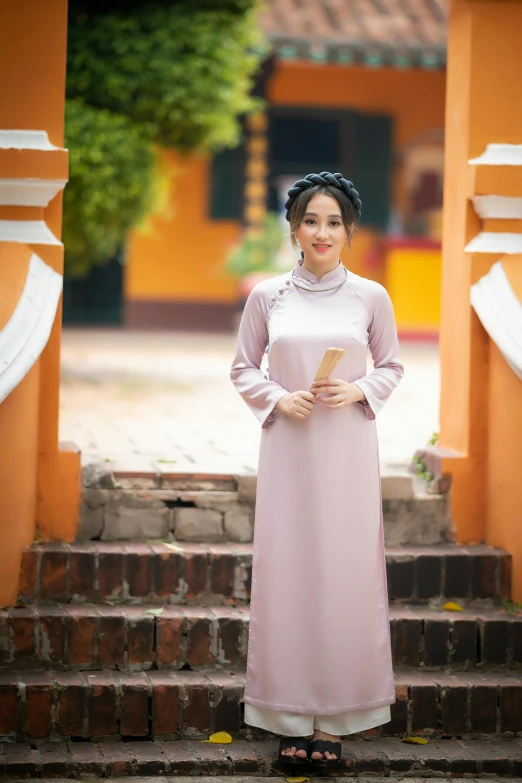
[405, 611]
[125, 637]
[386, 758]
[152, 546]
[186, 705]
[397, 482]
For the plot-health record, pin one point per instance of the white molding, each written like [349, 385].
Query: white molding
[25, 335]
[500, 312]
[499, 155]
[29, 232]
[30, 192]
[495, 242]
[25, 140]
[499, 207]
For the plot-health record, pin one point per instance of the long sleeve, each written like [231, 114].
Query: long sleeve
[252, 383]
[384, 346]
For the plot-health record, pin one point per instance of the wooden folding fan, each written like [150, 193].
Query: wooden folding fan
[330, 361]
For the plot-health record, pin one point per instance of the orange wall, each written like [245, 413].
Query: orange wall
[415, 98]
[181, 256]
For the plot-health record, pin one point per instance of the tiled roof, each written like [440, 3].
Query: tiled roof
[403, 33]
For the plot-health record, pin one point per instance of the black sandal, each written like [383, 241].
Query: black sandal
[299, 743]
[320, 746]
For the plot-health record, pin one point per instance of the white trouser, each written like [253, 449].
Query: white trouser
[295, 724]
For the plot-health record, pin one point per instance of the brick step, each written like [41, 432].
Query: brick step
[98, 636]
[379, 758]
[137, 572]
[188, 705]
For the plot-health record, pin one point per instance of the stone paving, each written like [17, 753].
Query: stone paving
[140, 397]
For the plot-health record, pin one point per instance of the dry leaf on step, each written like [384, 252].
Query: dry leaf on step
[452, 607]
[219, 738]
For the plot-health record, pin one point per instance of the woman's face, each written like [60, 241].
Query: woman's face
[321, 233]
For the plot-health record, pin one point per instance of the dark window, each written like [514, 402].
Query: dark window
[304, 140]
[371, 168]
[96, 298]
[302, 144]
[227, 183]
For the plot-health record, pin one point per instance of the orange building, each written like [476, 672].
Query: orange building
[363, 95]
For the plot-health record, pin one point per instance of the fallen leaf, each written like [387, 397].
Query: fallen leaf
[154, 611]
[297, 780]
[452, 607]
[174, 547]
[219, 738]
[415, 740]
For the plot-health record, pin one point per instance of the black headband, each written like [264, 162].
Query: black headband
[325, 178]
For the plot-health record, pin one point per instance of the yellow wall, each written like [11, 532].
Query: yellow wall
[413, 280]
[181, 256]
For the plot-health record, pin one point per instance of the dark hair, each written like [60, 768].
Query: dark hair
[333, 185]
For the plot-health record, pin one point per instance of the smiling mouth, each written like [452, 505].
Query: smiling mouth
[322, 247]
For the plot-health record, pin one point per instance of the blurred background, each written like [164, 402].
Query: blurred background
[186, 122]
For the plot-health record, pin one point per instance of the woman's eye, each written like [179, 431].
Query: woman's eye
[335, 223]
[309, 221]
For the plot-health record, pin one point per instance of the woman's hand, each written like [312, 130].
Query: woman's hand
[297, 404]
[344, 393]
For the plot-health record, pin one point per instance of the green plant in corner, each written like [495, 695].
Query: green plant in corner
[422, 472]
[510, 607]
[434, 439]
[257, 252]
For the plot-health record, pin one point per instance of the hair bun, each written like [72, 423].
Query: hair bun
[325, 178]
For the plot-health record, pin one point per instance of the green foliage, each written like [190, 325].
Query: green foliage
[111, 186]
[511, 607]
[90, 7]
[182, 75]
[422, 471]
[172, 72]
[257, 252]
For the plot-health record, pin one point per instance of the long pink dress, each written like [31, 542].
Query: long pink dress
[319, 640]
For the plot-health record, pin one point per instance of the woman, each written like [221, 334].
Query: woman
[319, 654]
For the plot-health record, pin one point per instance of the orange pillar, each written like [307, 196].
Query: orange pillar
[478, 387]
[39, 482]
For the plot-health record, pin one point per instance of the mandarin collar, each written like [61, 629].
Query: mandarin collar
[335, 274]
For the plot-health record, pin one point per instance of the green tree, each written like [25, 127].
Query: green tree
[176, 74]
[111, 186]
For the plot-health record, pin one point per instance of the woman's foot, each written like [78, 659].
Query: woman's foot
[300, 754]
[316, 755]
